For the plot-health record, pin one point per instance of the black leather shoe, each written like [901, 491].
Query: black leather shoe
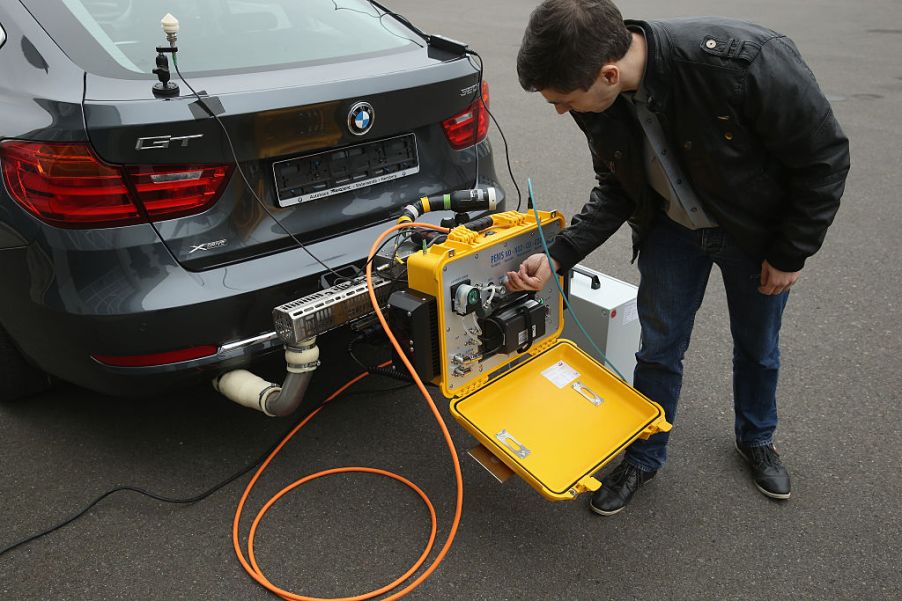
[768, 472]
[618, 488]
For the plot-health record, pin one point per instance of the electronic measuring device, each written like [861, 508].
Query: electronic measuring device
[539, 406]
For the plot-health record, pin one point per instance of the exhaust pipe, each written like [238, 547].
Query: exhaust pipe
[250, 390]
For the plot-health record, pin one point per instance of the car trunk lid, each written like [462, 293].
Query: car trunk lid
[304, 170]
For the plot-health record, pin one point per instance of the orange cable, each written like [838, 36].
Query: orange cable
[253, 569]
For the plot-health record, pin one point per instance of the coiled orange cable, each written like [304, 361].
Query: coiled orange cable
[253, 569]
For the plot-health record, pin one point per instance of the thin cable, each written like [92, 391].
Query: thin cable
[401, 19]
[508, 159]
[241, 171]
[164, 499]
[406, 236]
[535, 209]
[140, 491]
[359, 339]
[507, 155]
[345, 278]
[354, 10]
[376, 16]
[480, 98]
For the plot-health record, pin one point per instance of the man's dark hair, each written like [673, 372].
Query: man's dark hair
[567, 41]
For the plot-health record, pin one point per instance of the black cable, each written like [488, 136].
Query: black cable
[401, 19]
[380, 17]
[437, 240]
[241, 171]
[406, 232]
[354, 10]
[507, 155]
[480, 99]
[344, 278]
[189, 500]
[359, 338]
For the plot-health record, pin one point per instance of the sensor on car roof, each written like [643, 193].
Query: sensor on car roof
[166, 88]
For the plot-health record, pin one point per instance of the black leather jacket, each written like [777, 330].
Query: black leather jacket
[754, 134]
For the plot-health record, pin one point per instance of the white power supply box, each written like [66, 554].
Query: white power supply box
[606, 307]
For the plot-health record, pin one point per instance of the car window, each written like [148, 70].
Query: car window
[217, 35]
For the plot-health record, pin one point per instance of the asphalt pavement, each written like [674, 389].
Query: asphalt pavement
[700, 530]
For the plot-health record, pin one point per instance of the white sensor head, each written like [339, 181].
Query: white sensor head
[170, 24]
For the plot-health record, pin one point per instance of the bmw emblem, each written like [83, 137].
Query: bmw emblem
[360, 119]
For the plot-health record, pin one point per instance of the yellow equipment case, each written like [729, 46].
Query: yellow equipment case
[548, 411]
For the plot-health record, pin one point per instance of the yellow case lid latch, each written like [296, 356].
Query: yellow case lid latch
[657, 426]
[587, 484]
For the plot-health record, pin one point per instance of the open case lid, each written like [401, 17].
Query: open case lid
[549, 411]
[558, 418]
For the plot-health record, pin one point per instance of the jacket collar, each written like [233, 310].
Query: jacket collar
[656, 80]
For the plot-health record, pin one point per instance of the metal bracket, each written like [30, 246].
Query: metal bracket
[514, 445]
[491, 463]
[587, 393]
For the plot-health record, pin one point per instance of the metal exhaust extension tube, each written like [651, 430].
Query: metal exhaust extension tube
[245, 388]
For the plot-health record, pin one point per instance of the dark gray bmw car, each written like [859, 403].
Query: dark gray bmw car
[144, 242]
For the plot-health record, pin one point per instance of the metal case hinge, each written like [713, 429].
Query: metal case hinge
[543, 346]
[471, 387]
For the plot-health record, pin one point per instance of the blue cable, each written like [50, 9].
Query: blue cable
[554, 277]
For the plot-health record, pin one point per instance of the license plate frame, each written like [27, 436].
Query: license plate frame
[323, 174]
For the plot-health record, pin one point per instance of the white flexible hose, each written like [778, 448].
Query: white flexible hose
[245, 388]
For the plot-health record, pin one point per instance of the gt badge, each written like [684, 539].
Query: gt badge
[165, 141]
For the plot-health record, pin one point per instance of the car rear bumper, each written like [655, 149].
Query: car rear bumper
[70, 298]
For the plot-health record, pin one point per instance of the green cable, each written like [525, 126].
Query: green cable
[535, 209]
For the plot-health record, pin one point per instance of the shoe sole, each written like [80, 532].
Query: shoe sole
[772, 495]
[764, 491]
[605, 513]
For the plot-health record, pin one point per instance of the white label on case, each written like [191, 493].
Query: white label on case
[630, 312]
[560, 374]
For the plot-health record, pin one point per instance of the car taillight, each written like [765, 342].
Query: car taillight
[167, 191]
[471, 125]
[67, 185]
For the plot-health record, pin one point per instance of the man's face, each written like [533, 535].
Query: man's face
[596, 99]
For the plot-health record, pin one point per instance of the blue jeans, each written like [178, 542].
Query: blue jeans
[674, 263]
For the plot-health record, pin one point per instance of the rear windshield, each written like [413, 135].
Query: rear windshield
[118, 37]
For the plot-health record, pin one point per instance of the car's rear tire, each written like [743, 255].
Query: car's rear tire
[18, 378]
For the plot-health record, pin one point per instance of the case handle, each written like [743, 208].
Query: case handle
[514, 445]
[596, 281]
[587, 393]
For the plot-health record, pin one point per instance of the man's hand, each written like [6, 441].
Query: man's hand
[774, 281]
[534, 273]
